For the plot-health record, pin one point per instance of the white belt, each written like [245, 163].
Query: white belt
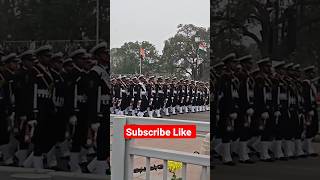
[43, 93]
[283, 96]
[104, 99]
[82, 98]
[59, 101]
[160, 92]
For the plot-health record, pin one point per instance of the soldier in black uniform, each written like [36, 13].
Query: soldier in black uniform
[151, 96]
[24, 103]
[61, 115]
[311, 115]
[7, 116]
[296, 109]
[167, 95]
[228, 108]
[159, 100]
[246, 112]
[43, 110]
[143, 96]
[99, 100]
[76, 87]
[263, 122]
[174, 96]
[281, 114]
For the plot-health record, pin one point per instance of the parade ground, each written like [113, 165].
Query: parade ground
[306, 169]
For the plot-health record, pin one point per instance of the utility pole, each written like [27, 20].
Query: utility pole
[97, 21]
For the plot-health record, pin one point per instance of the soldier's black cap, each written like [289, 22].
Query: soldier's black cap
[245, 59]
[28, 55]
[279, 65]
[229, 58]
[141, 77]
[12, 57]
[166, 79]
[264, 61]
[67, 61]
[174, 78]
[57, 57]
[101, 47]
[296, 67]
[218, 65]
[289, 65]
[77, 53]
[43, 49]
[309, 69]
[255, 71]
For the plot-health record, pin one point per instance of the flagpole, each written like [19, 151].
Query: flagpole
[140, 64]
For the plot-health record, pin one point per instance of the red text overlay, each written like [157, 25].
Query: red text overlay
[160, 131]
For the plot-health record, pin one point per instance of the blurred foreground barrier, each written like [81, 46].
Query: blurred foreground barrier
[17, 173]
[6, 172]
[30, 177]
[123, 151]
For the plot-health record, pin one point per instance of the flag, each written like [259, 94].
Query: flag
[203, 46]
[142, 53]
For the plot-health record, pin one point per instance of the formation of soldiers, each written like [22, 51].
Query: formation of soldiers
[269, 112]
[53, 103]
[156, 96]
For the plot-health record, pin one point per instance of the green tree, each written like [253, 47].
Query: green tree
[52, 19]
[181, 54]
[126, 59]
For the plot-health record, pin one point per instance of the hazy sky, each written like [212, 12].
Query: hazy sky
[154, 20]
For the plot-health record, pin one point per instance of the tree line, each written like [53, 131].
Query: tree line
[180, 56]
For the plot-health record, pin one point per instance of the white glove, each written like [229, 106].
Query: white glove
[11, 117]
[33, 122]
[277, 113]
[265, 115]
[95, 126]
[89, 142]
[73, 120]
[311, 113]
[23, 118]
[233, 116]
[250, 112]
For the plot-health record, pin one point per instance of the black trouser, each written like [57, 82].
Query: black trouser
[313, 128]
[267, 130]
[4, 133]
[242, 129]
[226, 134]
[103, 140]
[81, 130]
[61, 120]
[283, 126]
[44, 134]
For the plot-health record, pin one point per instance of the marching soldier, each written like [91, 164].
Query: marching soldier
[7, 114]
[174, 97]
[43, 110]
[228, 108]
[167, 95]
[143, 96]
[263, 118]
[246, 95]
[77, 86]
[24, 91]
[99, 97]
[311, 115]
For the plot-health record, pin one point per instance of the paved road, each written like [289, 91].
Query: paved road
[300, 169]
[201, 116]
